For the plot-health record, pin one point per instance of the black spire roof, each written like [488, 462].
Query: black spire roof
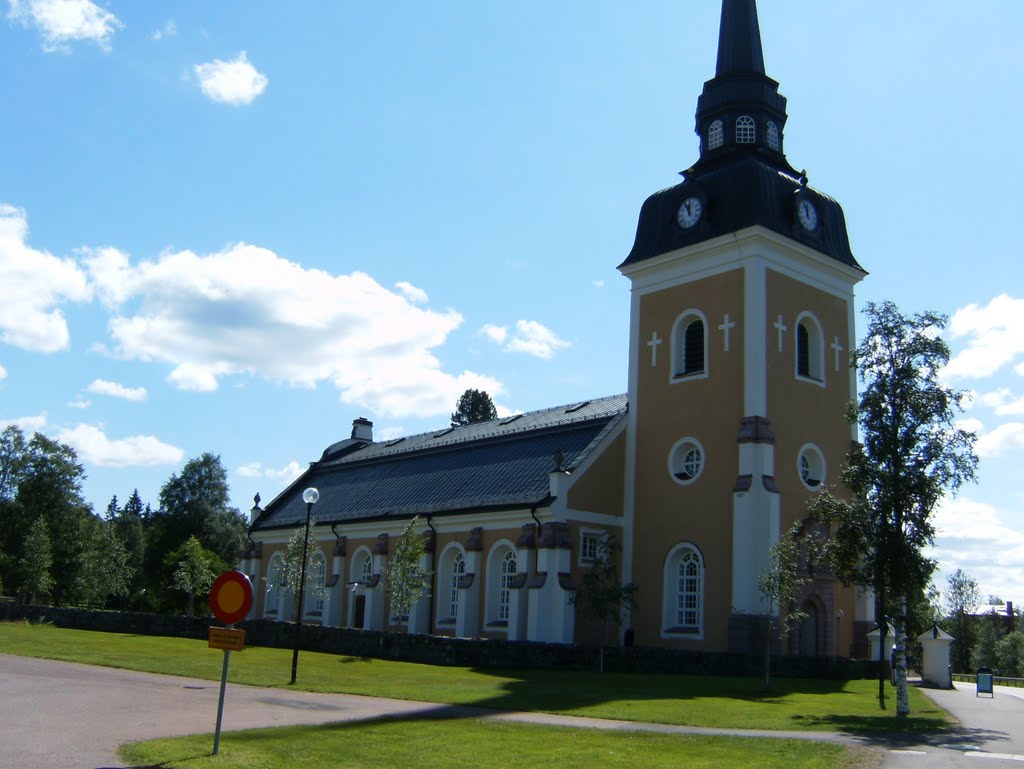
[742, 177]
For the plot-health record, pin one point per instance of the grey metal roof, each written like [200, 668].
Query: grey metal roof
[501, 463]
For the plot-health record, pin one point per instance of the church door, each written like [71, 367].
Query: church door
[360, 612]
[809, 631]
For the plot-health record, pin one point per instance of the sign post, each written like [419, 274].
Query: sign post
[230, 600]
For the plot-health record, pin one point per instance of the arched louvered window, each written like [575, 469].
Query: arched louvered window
[810, 349]
[689, 345]
[772, 136]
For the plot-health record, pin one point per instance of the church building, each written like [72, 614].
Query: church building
[741, 322]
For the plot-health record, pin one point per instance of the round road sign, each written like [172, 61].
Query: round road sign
[231, 597]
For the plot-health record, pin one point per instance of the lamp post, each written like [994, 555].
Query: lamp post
[310, 497]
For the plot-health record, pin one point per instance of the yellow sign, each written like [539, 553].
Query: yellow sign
[228, 639]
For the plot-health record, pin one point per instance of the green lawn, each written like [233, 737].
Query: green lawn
[799, 704]
[483, 745]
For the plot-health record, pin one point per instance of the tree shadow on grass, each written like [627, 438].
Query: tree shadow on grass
[687, 700]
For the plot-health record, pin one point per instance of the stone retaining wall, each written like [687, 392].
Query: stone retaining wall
[440, 650]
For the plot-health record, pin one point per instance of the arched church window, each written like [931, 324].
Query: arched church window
[316, 577]
[457, 573]
[689, 345]
[716, 135]
[683, 609]
[810, 349]
[508, 574]
[772, 136]
[745, 130]
[275, 578]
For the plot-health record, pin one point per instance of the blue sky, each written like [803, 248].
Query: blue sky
[237, 227]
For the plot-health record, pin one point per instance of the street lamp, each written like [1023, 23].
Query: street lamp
[310, 497]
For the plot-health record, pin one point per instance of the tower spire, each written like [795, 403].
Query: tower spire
[739, 40]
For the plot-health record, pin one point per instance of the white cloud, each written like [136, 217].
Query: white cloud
[497, 334]
[970, 424]
[61, 22]
[1007, 436]
[34, 284]
[116, 390]
[598, 284]
[284, 475]
[995, 337]
[95, 448]
[247, 311]
[388, 433]
[1003, 402]
[975, 536]
[411, 292]
[170, 29]
[529, 336]
[80, 403]
[3, 373]
[234, 82]
[27, 424]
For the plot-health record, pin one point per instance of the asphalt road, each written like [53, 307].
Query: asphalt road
[60, 715]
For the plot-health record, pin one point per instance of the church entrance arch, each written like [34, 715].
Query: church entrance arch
[359, 621]
[809, 630]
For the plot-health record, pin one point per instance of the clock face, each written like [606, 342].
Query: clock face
[689, 212]
[808, 215]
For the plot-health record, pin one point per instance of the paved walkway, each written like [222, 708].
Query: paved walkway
[60, 715]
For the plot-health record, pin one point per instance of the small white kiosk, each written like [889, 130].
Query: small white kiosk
[935, 644]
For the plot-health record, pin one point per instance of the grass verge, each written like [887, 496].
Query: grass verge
[483, 745]
[796, 704]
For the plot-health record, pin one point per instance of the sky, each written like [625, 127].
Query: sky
[236, 227]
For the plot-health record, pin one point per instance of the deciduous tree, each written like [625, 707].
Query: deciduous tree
[601, 594]
[196, 569]
[962, 598]
[405, 579]
[912, 454]
[781, 583]
[36, 563]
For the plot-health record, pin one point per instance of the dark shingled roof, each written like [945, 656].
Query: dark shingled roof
[502, 463]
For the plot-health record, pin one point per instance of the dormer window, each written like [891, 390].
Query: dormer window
[772, 136]
[745, 130]
[715, 135]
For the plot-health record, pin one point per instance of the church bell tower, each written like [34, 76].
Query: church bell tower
[741, 322]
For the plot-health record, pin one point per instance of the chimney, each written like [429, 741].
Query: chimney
[362, 430]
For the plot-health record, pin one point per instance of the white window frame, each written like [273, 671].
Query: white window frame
[316, 578]
[674, 595]
[679, 328]
[680, 454]
[746, 130]
[448, 576]
[772, 136]
[815, 349]
[716, 135]
[499, 582]
[273, 600]
[810, 462]
[590, 535]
